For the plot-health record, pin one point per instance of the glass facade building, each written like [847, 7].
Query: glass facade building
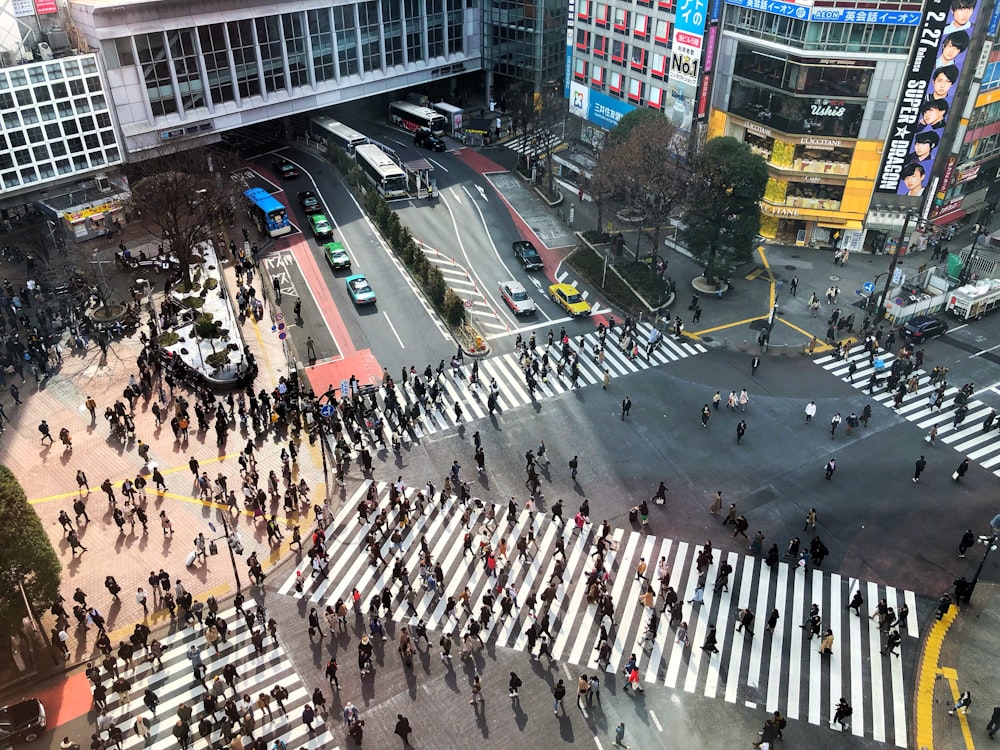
[524, 41]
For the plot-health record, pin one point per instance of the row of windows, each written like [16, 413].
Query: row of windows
[641, 62]
[78, 162]
[188, 68]
[44, 151]
[16, 118]
[633, 90]
[36, 94]
[848, 37]
[56, 70]
[639, 26]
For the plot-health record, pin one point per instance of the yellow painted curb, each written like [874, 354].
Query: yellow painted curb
[927, 674]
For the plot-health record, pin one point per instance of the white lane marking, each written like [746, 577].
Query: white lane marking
[387, 320]
[438, 165]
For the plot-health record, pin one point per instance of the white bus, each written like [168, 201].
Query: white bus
[413, 118]
[330, 130]
[389, 179]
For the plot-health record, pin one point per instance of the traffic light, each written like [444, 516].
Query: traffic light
[235, 545]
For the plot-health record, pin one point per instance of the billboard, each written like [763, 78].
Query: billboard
[804, 12]
[927, 96]
[570, 24]
[685, 61]
[600, 109]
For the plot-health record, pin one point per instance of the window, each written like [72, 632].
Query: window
[582, 39]
[601, 15]
[80, 162]
[54, 71]
[640, 26]
[216, 61]
[269, 46]
[89, 65]
[94, 84]
[638, 58]
[72, 69]
[98, 102]
[618, 50]
[662, 35]
[11, 120]
[583, 10]
[347, 39]
[28, 174]
[59, 90]
[42, 94]
[412, 18]
[40, 153]
[76, 87]
[17, 139]
[63, 166]
[371, 57]
[35, 135]
[108, 137]
[185, 57]
[36, 74]
[667, 5]
[621, 19]
[123, 47]
[53, 132]
[96, 158]
[82, 105]
[392, 31]
[635, 89]
[91, 141]
[615, 84]
[580, 69]
[292, 25]
[435, 28]
[4, 85]
[601, 46]
[17, 78]
[244, 57]
[87, 124]
[113, 155]
[70, 127]
[456, 38]
[58, 148]
[10, 180]
[155, 72]
[22, 157]
[65, 109]
[46, 171]
[6, 101]
[23, 97]
[655, 98]
[597, 75]
[103, 120]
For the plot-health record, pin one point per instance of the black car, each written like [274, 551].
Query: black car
[919, 329]
[525, 252]
[285, 169]
[425, 139]
[309, 202]
[22, 722]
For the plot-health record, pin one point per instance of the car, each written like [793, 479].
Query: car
[919, 329]
[569, 299]
[22, 722]
[309, 202]
[285, 169]
[320, 226]
[526, 253]
[426, 139]
[517, 298]
[359, 289]
[336, 256]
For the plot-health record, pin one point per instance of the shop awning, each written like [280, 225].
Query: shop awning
[948, 218]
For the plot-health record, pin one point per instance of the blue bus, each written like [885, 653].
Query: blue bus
[269, 216]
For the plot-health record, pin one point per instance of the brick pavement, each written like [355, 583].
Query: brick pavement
[47, 473]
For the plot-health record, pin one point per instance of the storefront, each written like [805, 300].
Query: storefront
[89, 222]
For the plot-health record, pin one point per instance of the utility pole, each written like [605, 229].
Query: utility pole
[892, 268]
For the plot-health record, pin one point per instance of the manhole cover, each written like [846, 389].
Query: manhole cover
[789, 268]
[707, 338]
[747, 693]
[834, 278]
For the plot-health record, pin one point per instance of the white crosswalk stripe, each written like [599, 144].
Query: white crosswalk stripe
[513, 391]
[174, 684]
[968, 437]
[534, 144]
[781, 671]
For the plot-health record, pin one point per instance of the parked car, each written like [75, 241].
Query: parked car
[336, 256]
[569, 299]
[309, 202]
[424, 139]
[320, 226]
[285, 169]
[919, 329]
[360, 290]
[22, 722]
[526, 253]
[517, 298]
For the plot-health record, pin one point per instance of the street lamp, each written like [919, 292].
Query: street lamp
[991, 544]
[892, 266]
[232, 542]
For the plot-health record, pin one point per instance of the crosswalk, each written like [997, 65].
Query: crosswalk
[780, 671]
[968, 437]
[513, 391]
[563, 277]
[534, 144]
[174, 684]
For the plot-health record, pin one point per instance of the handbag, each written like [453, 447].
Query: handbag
[955, 476]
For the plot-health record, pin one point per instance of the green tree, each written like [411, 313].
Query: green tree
[454, 308]
[630, 121]
[722, 213]
[28, 557]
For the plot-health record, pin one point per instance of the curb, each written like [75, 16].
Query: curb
[927, 677]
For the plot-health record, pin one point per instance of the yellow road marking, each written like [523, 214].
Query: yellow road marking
[927, 673]
[746, 321]
[754, 274]
[770, 275]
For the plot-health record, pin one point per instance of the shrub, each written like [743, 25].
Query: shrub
[212, 283]
[194, 301]
[436, 286]
[454, 308]
[205, 328]
[218, 359]
[168, 338]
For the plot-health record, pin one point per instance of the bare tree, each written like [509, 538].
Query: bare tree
[181, 198]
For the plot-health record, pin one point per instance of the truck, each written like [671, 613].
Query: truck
[973, 301]
[452, 114]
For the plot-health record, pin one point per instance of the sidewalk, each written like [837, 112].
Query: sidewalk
[962, 658]
[47, 473]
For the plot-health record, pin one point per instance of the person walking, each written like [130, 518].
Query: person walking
[918, 469]
[842, 715]
[994, 723]
[574, 464]
[477, 691]
[706, 414]
[834, 423]
[831, 466]
[513, 686]
[43, 428]
[626, 407]
[968, 540]
[741, 430]
[826, 644]
[716, 506]
[962, 704]
[810, 520]
[403, 729]
[558, 693]
[961, 470]
[810, 411]
[710, 641]
[754, 364]
[620, 735]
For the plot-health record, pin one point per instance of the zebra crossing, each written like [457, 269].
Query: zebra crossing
[780, 671]
[534, 144]
[968, 437]
[513, 392]
[174, 684]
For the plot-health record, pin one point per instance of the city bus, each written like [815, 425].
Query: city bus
[387, 176]
[327, 129]
[412, 117]
[270, 217]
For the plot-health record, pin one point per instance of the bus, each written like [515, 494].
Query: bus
[384, 173]
[412, 117]
[270, 217]
[327, 129]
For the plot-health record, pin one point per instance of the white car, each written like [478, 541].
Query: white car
[517, 298]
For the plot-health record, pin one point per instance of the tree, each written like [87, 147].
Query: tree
[182, 198]
[630, 121]
[722, 212]
[28, 557]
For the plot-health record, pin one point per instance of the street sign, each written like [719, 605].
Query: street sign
[282, 335]
[279, 317]
[898, 277]
[469, 303]
[899, 301]
[345, 388]
[326, 410]
[211, 527]
[869, 286]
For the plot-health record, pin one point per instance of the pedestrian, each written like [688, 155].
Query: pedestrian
[43, 428]
[962, 704]
[831, 466]
[741, 430]
[710, 641]
[706, 413]
[716, 506]
[968, 540]
[513, 686]
[834, 423]
[754, 364]
[842, 715]
[574, 464]
[620, 735]
[826, 645]
[403, 729]
[810, 520]
[918, 469]
[961, 470]
[477, 691]
[558, 693]
[626, 407]
[994, 723]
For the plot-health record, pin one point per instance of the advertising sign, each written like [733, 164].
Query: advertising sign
[927, 95]
[600, 109]
[804, 12]
[685, 61]
[45, 6]
[570, 22]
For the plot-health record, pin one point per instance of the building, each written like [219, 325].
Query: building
[181, 70]
[56, 116]
[524, 42]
